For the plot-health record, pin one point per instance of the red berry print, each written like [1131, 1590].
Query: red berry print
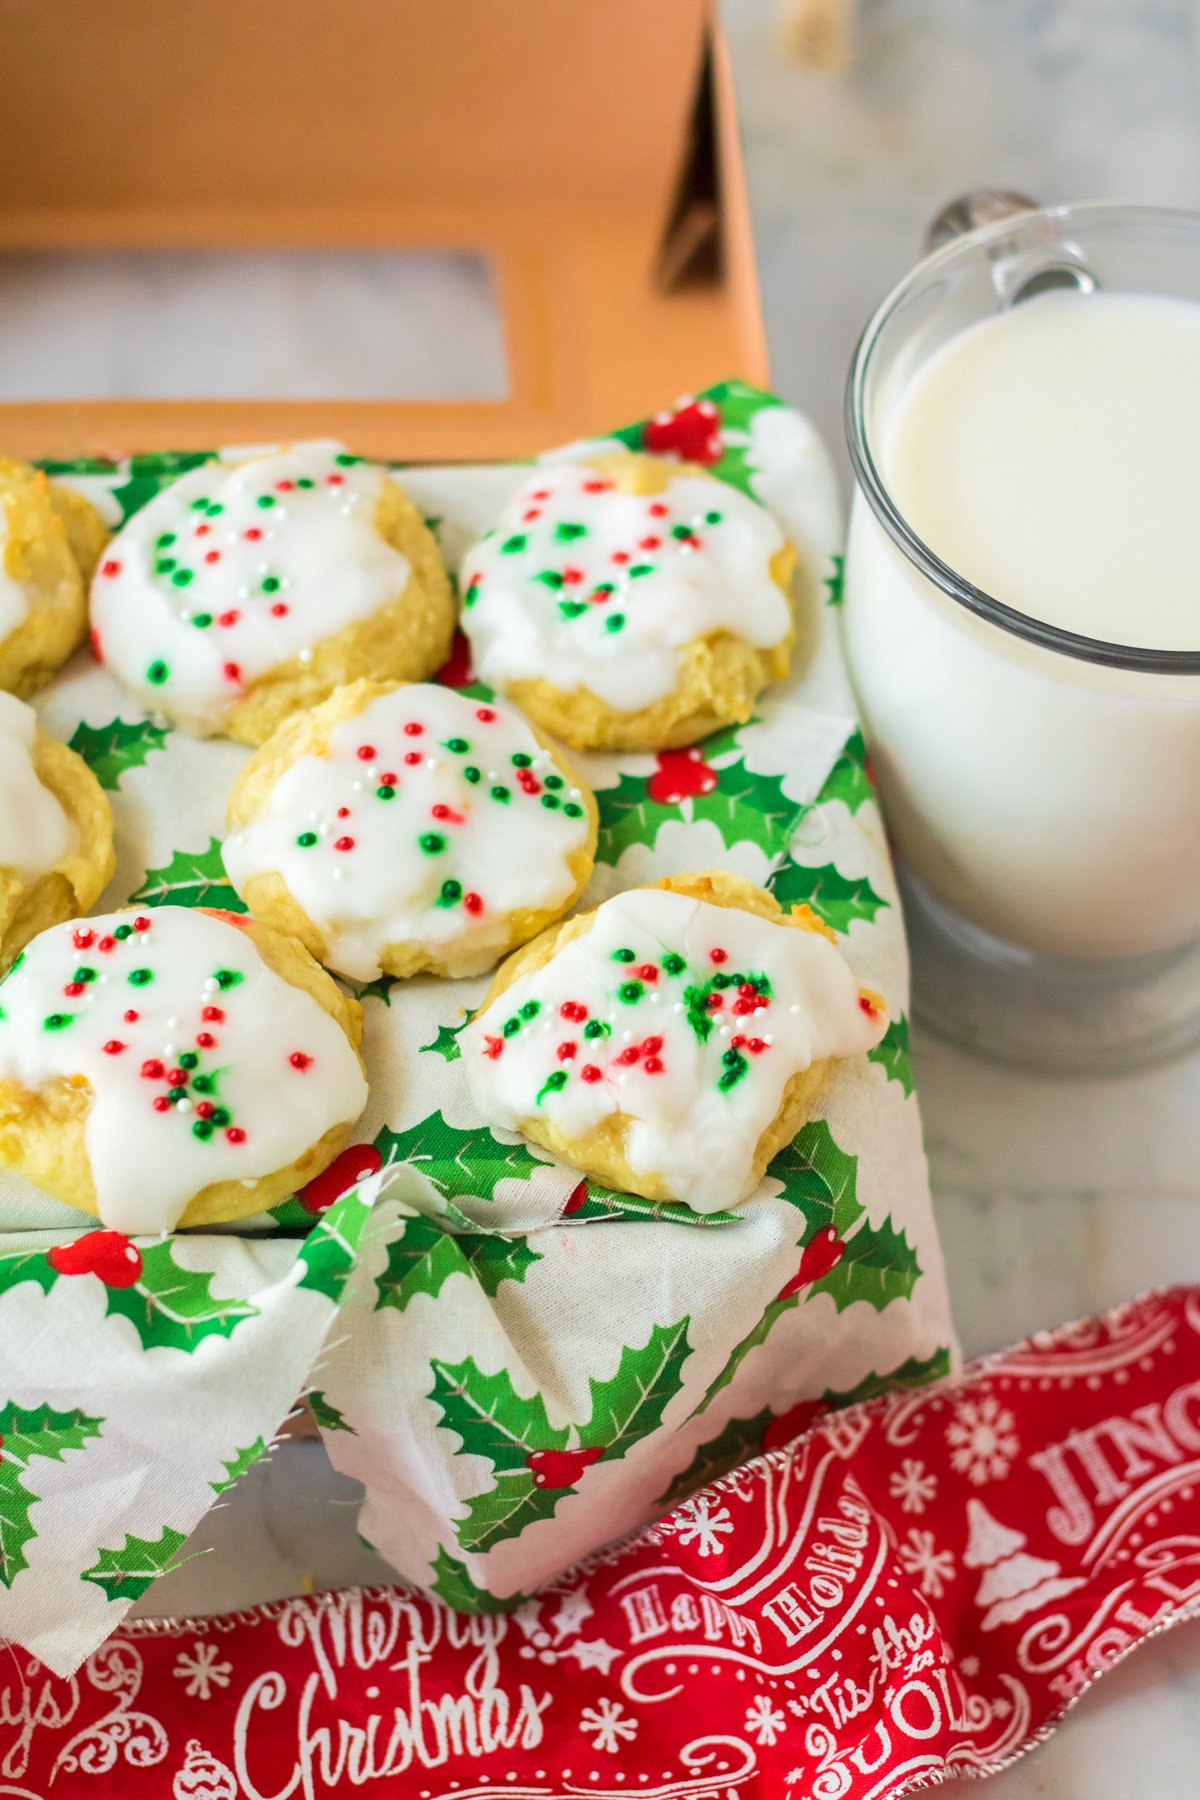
[108, 1254]
[576, 1199]
[560, 1468]
[680, 774]
[354, 1164]
[692, 432]
[821, 1254]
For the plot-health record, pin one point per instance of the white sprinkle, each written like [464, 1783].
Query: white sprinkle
[725, 1030]
[627, 1037]
[654, 999]
[431, 762]
[183, 1106]
[243, 593]
[768, 1038]
[347, 509]
[100, 979]
[305, 655]
[169, 1050]
[356, 787]
[794, 1010]
[678, 1006]
[264, 568]
[313, 816]
[493, 775]
[211, 985]
[172, 1024]
[337, 874]
[324, 830]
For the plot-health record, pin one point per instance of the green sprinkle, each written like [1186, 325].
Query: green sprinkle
[520, 760]
[549, 577]
[188, 1060]
[724, 981]
[84, 975]
[614, 622]
[554, 781]
[139, 977]
[552, 1084]
[642, 569]
[681, 531]
[604, 587]
[203, 1128]
[451, 891]
[511, 545]
[731, 1059]
[164, 565]
[572, 810]
[221, 1114]
[674, 964]
[177, 1093]
[182, 577]
[270, 584]
[471, 774]
[164, 540]
[596, 1028]
[501, 793]
[202, 619]
[471, 595]
[227, 978]
[386, 792]
[121, 933]
[56, 1021]
[624, 955]
[511, 1027]
[199, 505]
[431, 842]
[214, 510]
[305, 481]
[531, 1009]
[307, 839]
[344, 460]
[459, 746]
[566, 534]
[571, 609]
[550, 801]
[266, 499]
[203, 1084]
[629, 991]
[712, 518]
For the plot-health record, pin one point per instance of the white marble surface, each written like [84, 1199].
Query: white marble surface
[1055, 1199]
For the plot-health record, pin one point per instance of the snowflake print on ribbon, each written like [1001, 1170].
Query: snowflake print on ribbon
[912, 1486]
[983, 1440]
[202, 1671]
[703, 1524]
[611, 1724]
[764, 1722]
[920, 1556]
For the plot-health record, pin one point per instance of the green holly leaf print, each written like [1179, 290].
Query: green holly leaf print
[452, 1583]
[236, 1465]
[848, 781]
[26, 1433]
[838, 899]
[835, 581]
[446, 1042]
[125, 1574]
[149, 474]
[172, 1307]
[109, 750]
[379, 989]
[458, 1160]
[191, 878]
[329, 1252]
[491, 1418]
[914, 1371]
[27, 1265]
[891, 1053]
[494, 1259]
[420, 1260]
[745, 808]
[630, 1405]
[734, 1444]
[880, 1265]
[326, 1414]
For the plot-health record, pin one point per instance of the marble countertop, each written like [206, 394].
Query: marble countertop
[1054, 1198]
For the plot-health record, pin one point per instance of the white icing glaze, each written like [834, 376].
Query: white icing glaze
[14, 599]
[261, 1055]
[670, 567]
[418, 827]
[233, 570]
[35, 832]
[696, 1104]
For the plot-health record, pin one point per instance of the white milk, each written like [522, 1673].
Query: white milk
[1051, 455]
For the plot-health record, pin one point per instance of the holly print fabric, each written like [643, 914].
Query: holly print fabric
[525, 1365]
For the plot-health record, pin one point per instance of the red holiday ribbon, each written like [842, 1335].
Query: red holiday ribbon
[921, 1585]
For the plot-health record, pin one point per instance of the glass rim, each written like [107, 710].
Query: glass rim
[1074, 644]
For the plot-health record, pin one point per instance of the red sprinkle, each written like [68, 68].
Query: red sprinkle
[630, 1055]
[204, 1109]
[342, 843]
[412, 757]
[566, 1051]
[492, 1046]
[212, 556]
[202, 530]
[736, 1041]
[205, 1040]
[152, 1069]
[235, 1134]
[473, 902]
[110, 567]
[114, 1047]
[718, 955]
[756, 1046]
[229, 618]
[73, 989]
[596, 487]
[650, 543]
[535, 512]
[572, 576]
[343, 812]
[177, 1077]
[485, 713]
[365, 753]
[620, 556]
[131, 1017]
[412, 729]
[589, 1072]
[214, 1014]
[335, 480]
[389, 779]
[299, 1060]
[160, 1103]
[652, 1045]
[658, 510]
[528, 781]
[439, 811]
[871, 1011]
[106, 943]
[540, 494]
[284, 487]
[253, 533]
[573, 1009]
[141, 923]
[653, 1065]
[648, 972]
[715, 1002]
[742, 1007]
[232, 672]
[277, 612]
[82, 940]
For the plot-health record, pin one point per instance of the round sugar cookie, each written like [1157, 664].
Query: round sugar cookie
[174, 1066]
[56, 831]
[670, 1042]
[630, 603]
[405, 829]
[246, 591]
[50, 539]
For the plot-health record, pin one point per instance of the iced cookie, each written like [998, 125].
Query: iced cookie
[401, 829]
[248, 590]
[56, 831]
[628, 603]
[174, 1067]
[50, 539]
[670, 1042]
